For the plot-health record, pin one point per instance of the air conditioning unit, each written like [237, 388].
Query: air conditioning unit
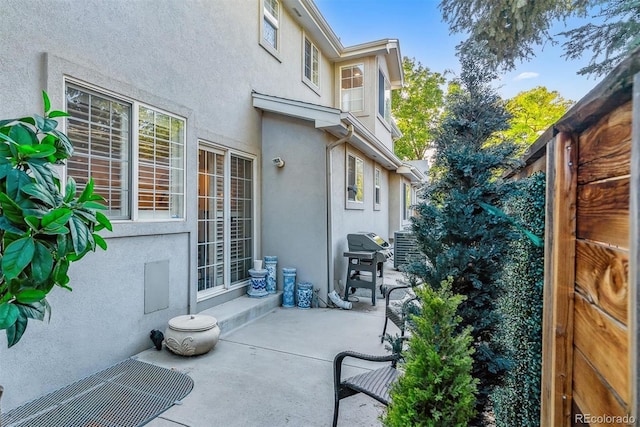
[405, 248]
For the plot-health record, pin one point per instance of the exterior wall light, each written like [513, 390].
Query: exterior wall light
[278, 162]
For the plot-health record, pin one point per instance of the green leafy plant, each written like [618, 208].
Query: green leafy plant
[42, 230]
[517, 401]
[437, 388]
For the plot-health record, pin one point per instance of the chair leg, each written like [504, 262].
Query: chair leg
[336, 407]
[384, 330]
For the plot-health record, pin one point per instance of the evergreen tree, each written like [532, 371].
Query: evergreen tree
[437, 388]
[461, 238]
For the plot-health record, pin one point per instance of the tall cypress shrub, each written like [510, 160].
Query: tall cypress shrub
[517, 401]
[437, 388]
[461, 238]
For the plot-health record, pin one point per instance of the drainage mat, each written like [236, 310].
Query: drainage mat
[128, 394]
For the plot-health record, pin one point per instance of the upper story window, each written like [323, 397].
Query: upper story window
[384, 97]
[107, 136]
[377, 185]
[355, 181]
[311, 63]
[352, 87]
[270, 24]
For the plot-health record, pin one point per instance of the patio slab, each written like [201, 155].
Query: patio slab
[278, 369]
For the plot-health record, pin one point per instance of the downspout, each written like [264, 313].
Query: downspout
[329, 163]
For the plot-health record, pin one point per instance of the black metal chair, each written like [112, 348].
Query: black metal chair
[398, 310]
[375, 383]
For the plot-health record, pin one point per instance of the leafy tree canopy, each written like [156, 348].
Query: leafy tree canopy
[532, 112]
[417, 108]
[512, 29]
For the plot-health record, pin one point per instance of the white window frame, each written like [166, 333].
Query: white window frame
[313, 81]
[344, 92]
[407, 195]
[377, 188]
[228, 153]
[384, 98]
[133, 170]
[354, 202]
[274, 21]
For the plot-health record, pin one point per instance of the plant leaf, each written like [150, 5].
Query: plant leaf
[15, 331]
[87, 192]
[104, 221]
[6, 225]
[65, 147]
[17, 255]
[22, 135]
[79, 235]
[35, 310]
[56, 218]
[70, 190]
[39, 192]
[11, 210]
[47, 103]
[29, 296]
[8, 315]
[41, 265]
[56, 113]
[100, 241]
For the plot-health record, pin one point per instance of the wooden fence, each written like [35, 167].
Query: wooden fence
[590, 321]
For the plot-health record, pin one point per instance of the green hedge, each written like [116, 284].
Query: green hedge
[517, 401]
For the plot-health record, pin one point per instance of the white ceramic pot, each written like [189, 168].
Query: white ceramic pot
[192, 334]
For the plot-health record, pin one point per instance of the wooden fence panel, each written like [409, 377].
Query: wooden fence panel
[603, 342]
[605, 148]
[603, 212]
[602, 275]
[590, 394]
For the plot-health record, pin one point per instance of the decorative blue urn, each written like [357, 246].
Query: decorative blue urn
[288, 288]
[270, 264]
[258, 286]
[305, 294]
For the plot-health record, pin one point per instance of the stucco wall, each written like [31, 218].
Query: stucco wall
[200, 62]
[345, 221]
[294, 204]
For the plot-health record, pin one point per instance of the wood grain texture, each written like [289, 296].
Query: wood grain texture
[591, 395]
[604, 343]
[602, 275]
[603, 212]
[557, 335]
[605, 148]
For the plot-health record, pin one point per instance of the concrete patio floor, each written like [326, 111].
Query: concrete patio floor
[278, 369]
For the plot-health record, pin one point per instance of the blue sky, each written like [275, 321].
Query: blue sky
[417, 24]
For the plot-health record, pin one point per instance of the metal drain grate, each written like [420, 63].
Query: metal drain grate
[128, 394]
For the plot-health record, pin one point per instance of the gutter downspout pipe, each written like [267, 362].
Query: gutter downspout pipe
[329, 184]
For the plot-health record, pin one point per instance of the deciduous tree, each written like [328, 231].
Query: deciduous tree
[417, 108]
[532, 112]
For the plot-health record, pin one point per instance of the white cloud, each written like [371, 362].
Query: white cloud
[526, 75]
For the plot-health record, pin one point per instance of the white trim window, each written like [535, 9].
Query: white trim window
[101, 126]
[226, 219]
[355, 182]
[406, 202]
[311, 66]
[352, 87]
[270, 25]
[377, 183]
[384, 97]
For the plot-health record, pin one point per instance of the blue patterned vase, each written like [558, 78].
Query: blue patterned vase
[288, 288]
[258, 286]
[305, 294]
[270, 263]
